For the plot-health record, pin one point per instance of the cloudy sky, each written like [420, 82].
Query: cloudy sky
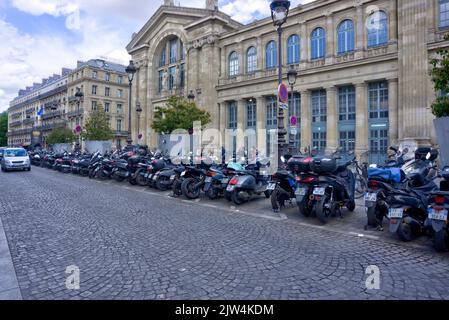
[39, 37]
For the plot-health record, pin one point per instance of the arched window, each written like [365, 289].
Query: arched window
[318, 43]
[251, 60]
[444, 13]
[162, 59]
[271, 55]
[233, 64]
[293, 49]
[346, 39]
[377, 29]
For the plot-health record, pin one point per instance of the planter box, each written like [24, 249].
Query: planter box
[62, 147]
[94, 146]
[442, 131]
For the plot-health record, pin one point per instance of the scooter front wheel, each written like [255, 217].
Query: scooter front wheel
[141, 181]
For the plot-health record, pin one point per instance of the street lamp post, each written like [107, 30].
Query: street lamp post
[291, 76]
[130, 70]
[138, 111]
[279, 14]
[79, 96]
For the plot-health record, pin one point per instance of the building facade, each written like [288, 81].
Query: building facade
[51, 104]
[363, 71]
[37, 110]
[102, 83]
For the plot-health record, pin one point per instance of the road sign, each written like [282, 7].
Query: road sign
[78, 129]
[139, 136]
[293, 131]
[283, 93]
[293, 121]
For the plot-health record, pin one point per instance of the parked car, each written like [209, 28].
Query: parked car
[15, 159]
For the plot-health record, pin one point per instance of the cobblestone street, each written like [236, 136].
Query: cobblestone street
[135, 243]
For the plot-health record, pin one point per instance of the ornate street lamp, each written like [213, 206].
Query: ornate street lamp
[131, 71]
[191, 96]
[291, 76]
[79, 95]
[279, 14]
[138, 111]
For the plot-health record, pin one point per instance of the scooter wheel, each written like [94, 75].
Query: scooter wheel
[372, 215]
[405, 232]
[351, 205]
[267, 194]
[188, 189]
[441, 241]
[304, 209]
[322, 212]
[141, 181]
[212, 194]
[275, 203]
[160, 185]
[228, 196]
[236, 199]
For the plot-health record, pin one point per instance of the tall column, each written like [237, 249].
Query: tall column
[360, 32]
[393, 110]
[415, 122]
[306, 120]
[260, 54]
[332, 119]
[241, 123]
[330, 36]
[304, 42]
[361, 118]
[261, 117]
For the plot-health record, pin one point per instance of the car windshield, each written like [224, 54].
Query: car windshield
[15, 153]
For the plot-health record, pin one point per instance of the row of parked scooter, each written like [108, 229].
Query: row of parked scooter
[402, 192]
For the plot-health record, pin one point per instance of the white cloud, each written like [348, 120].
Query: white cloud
[103, 27]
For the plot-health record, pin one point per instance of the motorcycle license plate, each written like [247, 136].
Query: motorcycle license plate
[230, 188]
[183, 174]
[372, 197]
[271, 186]
[172, 177]
[396, 213]
[146, 175]
[301, 192]
[150, 176]
[155, 177]
[440, 215]
[225, 181]
[319, 191]
[208, 179]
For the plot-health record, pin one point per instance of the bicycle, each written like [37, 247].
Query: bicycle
[361, 176]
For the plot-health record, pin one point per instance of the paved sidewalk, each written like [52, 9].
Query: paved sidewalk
[9, 287]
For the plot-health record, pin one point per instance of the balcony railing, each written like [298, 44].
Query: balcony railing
[75, 113]
[28, 121]
[51, 115]
[19, 132]
[50, 126]
[15, 123]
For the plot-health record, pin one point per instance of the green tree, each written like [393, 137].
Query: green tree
[97, 127]
[440, 78]
[61, 135]
[3, 128]
[178, 113]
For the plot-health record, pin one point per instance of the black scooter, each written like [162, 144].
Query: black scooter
[438, 214]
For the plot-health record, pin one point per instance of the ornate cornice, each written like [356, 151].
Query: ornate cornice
[199, 43]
